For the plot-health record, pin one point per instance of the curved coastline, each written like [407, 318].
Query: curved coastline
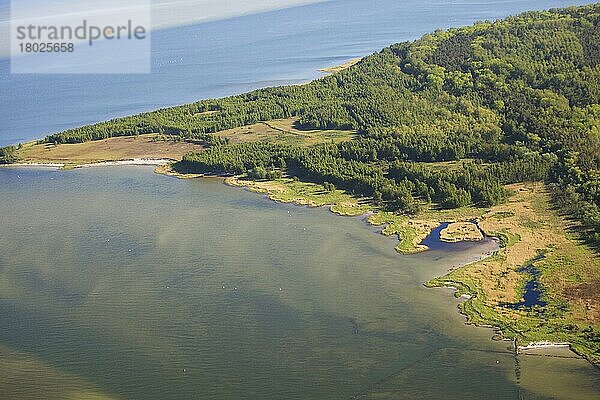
[133, 161]
[461, 291]
[410, 233]
[389, 227]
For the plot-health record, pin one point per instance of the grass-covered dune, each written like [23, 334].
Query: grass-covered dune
[457, 123]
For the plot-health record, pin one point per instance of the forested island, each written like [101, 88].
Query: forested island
[499, 121]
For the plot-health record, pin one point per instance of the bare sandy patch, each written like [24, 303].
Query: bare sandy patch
[341, 67]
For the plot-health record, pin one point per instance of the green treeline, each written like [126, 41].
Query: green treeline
[398, 185]
[448, 119]
[8, 155]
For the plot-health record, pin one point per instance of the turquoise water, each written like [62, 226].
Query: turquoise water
[117, 283]
[220, 58]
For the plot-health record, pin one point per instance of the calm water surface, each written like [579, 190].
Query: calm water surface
[116, 283]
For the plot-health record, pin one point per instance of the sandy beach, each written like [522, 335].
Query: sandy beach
[135, 161]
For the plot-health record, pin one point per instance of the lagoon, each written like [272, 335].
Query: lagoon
[117, 283]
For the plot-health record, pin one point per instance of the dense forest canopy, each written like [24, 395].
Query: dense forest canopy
[509, 101]
[8, 155]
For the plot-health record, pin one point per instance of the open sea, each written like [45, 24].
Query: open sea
[118, 283]
[220, 58]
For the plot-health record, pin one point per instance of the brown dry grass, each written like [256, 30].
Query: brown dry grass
[143, 146]
[284, 131]
[113, 149]
[570, 270]
[534, 233]
[461, 232]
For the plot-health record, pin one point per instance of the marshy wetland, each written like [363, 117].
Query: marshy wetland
[215, 292]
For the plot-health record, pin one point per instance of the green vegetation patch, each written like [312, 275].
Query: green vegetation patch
[526, 327]
[507, 239]
[285, 132]
[288, 190]
[8, 155]
[566, 272]
[410, 232]
[503, 215]
[436, 129]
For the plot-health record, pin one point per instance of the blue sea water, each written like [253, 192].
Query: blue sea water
[225, 57]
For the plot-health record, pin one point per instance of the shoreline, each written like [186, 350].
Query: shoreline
[466, 294]
[338, 68]
[33, 165]
[546, 345]
[493, 288]
[133, 161]
[373, 218]
[321, 72]
[545, 348]
[345, 209]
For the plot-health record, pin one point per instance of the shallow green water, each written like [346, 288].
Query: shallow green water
[119, 283]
